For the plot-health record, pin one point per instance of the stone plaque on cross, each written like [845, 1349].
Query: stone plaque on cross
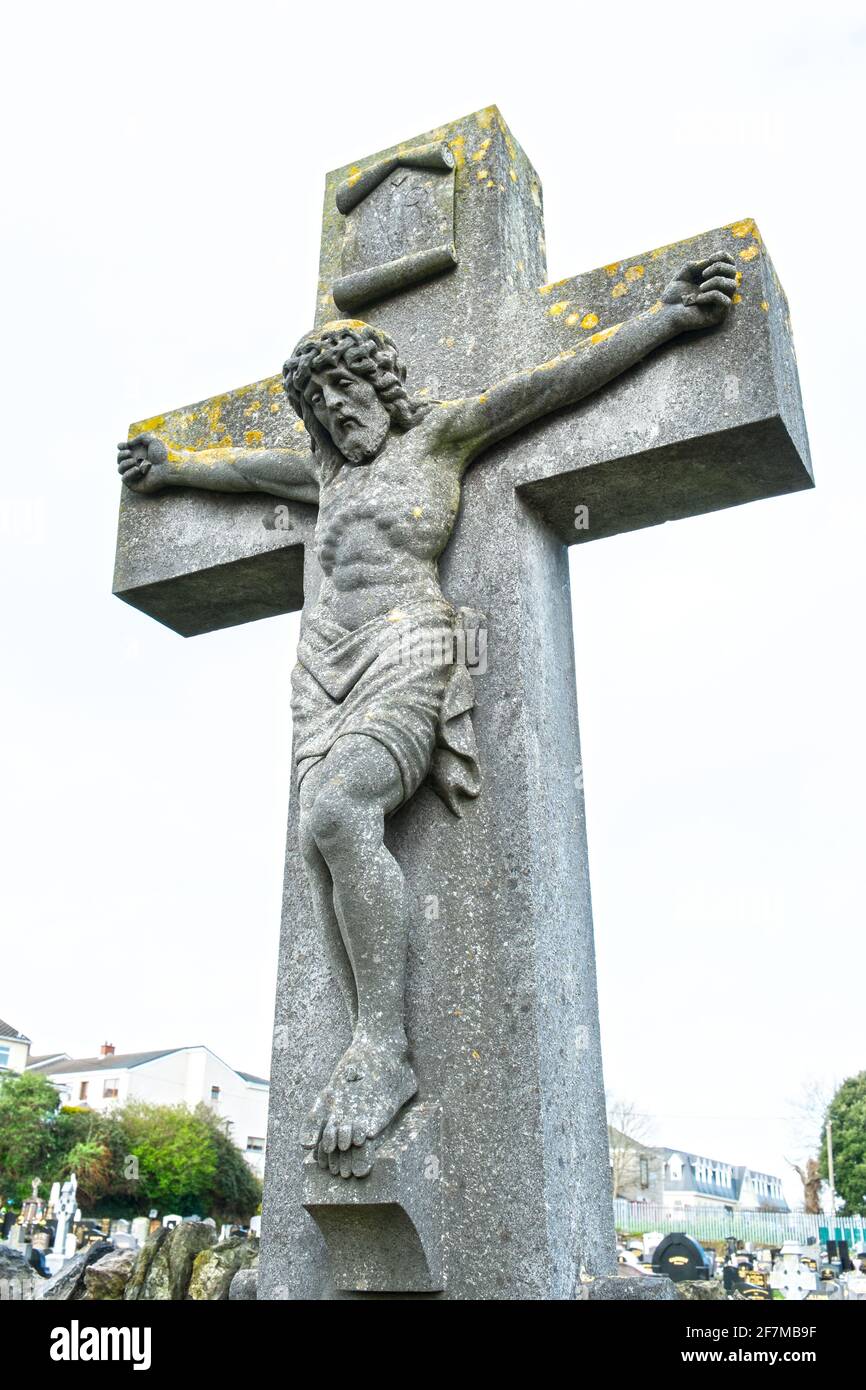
[437, 1121]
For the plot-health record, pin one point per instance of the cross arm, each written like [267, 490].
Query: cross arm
[198, 558]
[699, 296]
[708, 420]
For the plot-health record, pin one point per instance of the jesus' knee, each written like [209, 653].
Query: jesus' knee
[342, 827]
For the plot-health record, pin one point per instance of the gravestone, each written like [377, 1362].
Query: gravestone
[494, 1181]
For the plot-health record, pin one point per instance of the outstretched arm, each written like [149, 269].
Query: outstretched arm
[698, 297]
[146, 464]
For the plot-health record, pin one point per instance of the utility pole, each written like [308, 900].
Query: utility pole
[830, 1169]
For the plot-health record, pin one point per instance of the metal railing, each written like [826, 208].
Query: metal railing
[715, 1223]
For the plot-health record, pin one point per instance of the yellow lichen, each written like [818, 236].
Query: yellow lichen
[417, 511]
[605, 334]
[612, 268]
[633, 273]
[512, 175]
[151, 426]
[456, 147]
[749, 254]
[253, 438]
[736, 299]
[745, 228]
[251, 409]
[482, 150]
[298, 426]
[765, 306]
[589, 321]
[619, 289]
[572, 319]
[559, 308]
[482, 175]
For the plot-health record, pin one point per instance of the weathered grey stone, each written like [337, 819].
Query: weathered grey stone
[163, 1266]
[143, 1262]
[18, 1279]
[630, 1289]
[384, 1234]
[243, 1286]
[107, 1278]
[701, 1290]
[501, 1000]
[214, 1269]
[69, 1283]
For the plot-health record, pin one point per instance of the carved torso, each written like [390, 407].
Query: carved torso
[382, 526]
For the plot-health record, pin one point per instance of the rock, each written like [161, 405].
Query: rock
[108, 1277]
[69, 1283]
[164, 1265]
[651, 1287]
[244, 1285]
[143, 1261]
[215, 1269]
[701, 1290]
[17, 1278]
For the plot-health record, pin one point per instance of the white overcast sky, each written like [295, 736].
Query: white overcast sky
[162, 183]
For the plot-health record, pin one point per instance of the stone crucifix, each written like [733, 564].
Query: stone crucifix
[426, 464]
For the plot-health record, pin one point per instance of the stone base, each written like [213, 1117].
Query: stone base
[638, 1288]
[384, 1232]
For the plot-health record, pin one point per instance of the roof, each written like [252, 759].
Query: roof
[7, 1031]
[116, 1061]
[62, 1064]
[36, 1062]
[727, 1191]
[617, 1138]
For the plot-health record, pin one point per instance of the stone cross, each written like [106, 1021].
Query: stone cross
[494, 1182]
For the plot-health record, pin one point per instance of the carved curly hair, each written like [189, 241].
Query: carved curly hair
[366, 351]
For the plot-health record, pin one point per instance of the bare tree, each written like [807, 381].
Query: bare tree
[628, 1131]
[811, 1180]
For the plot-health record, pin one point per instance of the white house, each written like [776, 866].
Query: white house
[14, 1048]
[172, 1076]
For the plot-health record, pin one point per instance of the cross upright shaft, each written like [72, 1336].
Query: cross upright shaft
[501, 999]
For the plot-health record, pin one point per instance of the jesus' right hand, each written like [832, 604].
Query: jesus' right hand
[141, 463]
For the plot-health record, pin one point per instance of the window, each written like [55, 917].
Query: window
[82, 1091]
[255, 1144]
[644, 1172]
[109, 1088]
[4, 1056]
[214, 1095]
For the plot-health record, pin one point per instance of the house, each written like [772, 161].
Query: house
[675, 1178]
[691, 1180]
[14, 1048]
[636, 1169]
[167, 1076]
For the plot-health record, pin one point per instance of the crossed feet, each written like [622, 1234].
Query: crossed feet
[370, 1084]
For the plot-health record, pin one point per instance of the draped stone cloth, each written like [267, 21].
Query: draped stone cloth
[400, 679]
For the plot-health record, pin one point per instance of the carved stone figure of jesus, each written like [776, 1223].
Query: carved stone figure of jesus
[378, 701]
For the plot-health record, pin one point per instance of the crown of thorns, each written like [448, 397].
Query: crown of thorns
[366, 351]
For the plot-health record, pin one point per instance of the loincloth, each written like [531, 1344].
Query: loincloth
[398, 679]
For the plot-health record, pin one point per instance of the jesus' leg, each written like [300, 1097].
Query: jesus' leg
[344, 816]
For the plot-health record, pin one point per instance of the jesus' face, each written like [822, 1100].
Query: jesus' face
[349, 408]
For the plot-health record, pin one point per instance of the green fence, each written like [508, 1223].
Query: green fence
[715, 1223]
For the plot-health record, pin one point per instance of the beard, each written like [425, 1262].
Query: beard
[361, 444]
